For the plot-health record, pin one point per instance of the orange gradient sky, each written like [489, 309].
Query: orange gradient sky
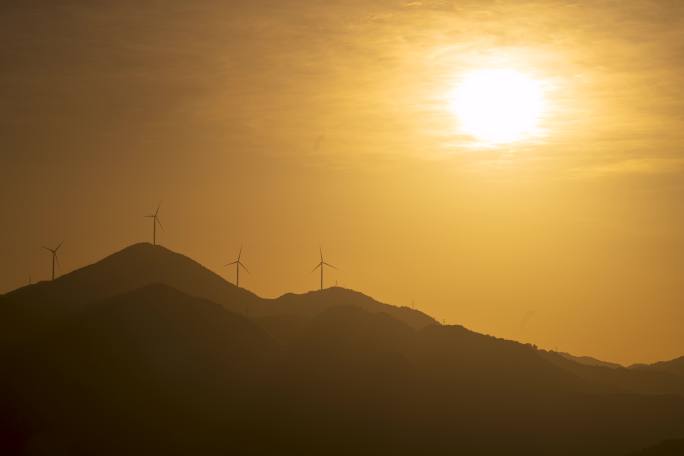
[282, 125]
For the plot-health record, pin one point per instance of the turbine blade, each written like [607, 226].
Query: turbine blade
[330, 265]
[317, 266]
[320, 249]
[240, 253]
[60, 244]
[243, 266]
[159, 222]
[158, 207]
[230, 264]
[47, 248]
[59, 265]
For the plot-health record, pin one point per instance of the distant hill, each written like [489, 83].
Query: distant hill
[31, 310]
[314, 302]
[94, 367]
[129, 269]
[589, 361]
[675, 367]
[28, 311]
[628, 380]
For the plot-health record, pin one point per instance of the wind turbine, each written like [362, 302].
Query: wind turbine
[321, 265]
[238, 264]
[155, 221]
[54, 257]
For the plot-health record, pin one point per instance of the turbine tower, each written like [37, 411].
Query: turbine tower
[54, 257]
[155, 221]
[321, 265]
[238, 264]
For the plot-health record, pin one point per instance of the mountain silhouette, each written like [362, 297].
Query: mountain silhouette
[589, 361]
[648, 379]
[148, 352]
[674, 367]
[313, 302]
[33, 309]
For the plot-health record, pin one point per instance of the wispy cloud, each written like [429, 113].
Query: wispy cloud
[372, 75]
[633, 166]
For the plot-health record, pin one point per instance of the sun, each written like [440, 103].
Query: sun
[498, 106]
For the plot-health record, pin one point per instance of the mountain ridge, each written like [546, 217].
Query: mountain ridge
[161, 370]
[36, 306]
[141, 264]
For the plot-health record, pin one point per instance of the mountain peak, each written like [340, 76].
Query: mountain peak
[130, 268]
[312, 302]
[145, 248]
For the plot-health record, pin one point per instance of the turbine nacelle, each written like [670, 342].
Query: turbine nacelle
[54, 251]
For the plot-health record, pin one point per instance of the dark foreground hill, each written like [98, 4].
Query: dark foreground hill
[154, 370]
[141, 369]
[666, 448]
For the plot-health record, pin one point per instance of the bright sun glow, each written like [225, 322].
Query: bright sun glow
[498, 106]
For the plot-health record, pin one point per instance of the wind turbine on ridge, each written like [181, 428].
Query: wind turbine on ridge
[54, 257]
[238, 264]
[155, 221]
[321, 265]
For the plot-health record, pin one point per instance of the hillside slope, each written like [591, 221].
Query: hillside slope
[29, 311]
[155, 371]
[101, 369]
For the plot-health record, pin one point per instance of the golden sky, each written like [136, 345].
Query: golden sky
[282, 125]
